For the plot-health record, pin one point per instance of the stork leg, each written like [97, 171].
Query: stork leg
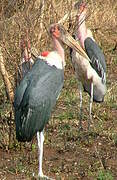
[40, 151]
[40, 140]
[90, 106]
[80, 121]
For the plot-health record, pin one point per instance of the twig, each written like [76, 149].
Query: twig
[4, 73]
[100, 160]
[41, 18]
[66, 16]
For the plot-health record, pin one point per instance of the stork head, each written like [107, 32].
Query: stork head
[60, 33]
[55, 30]
[81, 7]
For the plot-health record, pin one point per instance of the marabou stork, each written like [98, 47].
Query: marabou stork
[88, 61]
[91, 74]
[37, 94]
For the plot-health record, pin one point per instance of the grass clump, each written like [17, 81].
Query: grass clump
[104, 175]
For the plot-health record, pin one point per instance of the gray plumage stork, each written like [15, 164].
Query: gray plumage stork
[37, 94]
[91, 74]
[88, 61]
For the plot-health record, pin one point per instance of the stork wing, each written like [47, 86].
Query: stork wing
[96, 56]
[40, 95]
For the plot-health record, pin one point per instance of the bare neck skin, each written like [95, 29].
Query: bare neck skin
[56, 57]
[82, 30]
[58, 48]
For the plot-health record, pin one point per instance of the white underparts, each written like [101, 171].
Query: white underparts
[85, 72]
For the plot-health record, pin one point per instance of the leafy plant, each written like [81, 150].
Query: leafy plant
[104, 175]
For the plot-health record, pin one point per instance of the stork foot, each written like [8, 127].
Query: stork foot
[43, 177]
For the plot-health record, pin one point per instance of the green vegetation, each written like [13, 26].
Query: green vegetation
[104, 175]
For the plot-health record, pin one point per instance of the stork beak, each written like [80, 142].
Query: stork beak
[66, 38]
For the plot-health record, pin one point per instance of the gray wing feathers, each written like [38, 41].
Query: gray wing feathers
[96, 56]
[39, 94]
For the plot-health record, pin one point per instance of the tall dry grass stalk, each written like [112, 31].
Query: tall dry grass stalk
[6, 80]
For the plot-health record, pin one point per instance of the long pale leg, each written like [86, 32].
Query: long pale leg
[80, 121]
[90, 106]
[40, 141]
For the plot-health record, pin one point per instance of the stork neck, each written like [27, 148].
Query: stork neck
[59, 49]
[82, 30]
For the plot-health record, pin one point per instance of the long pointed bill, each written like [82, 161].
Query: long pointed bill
[71, 42]
[61, 33]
